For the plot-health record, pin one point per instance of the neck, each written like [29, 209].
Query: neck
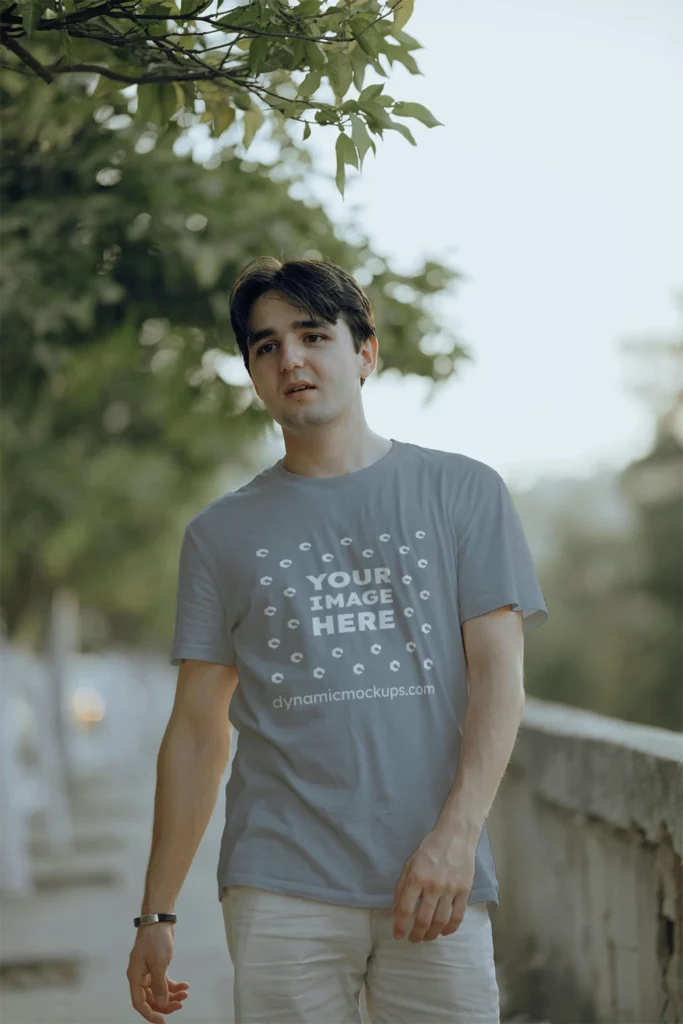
[334, 454]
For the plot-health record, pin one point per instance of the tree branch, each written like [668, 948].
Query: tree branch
[27, 58]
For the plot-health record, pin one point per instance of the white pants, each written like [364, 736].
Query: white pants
[304, 961]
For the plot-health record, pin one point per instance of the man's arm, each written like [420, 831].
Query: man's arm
[193, 756]
[441, 870]
[494, 649]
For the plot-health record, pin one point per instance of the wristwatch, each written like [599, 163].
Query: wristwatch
[153, 918]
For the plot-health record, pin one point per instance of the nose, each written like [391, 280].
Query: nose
[291, 354]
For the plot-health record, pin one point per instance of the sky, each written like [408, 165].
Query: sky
[554, 185]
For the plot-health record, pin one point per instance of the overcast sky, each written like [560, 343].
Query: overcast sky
[555, 184]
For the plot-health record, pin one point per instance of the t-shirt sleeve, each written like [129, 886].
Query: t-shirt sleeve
[203, 628]
[494, 563]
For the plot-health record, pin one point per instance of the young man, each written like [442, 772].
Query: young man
[357, 611]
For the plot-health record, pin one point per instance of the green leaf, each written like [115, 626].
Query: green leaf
[340, 74]
[371, 92]
[346, 154]
[31, 13]
[340, 177]
[224, 117]
[403, 10]
[315, 56]
[404, 130]
[360, 136]
[167, 102]
[367, 36]
[157, 103]
[253, 119]
[376, 113]
[348, 150]
[258, 54]
[307, 130]
[310, 84]
[406, 59]
[417, 111]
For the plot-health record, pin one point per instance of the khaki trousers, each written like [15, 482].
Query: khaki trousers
[304, 961]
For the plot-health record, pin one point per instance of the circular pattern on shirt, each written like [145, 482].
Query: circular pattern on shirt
[292, 623]
[368, 553]
[273, 642]
[428, 663]
[305, 546]
[406, 579]
[270, 610]
[420, 534]
[318, 673]
[265, 580]
[411, 646]
[422, 562]
[285, 563]
[376, 648]
[290, 592]
[408, 612]
[346, 541]
[327, 558]
[395, 666]
[385, 536]
[276, 677]
[296, 657]
[426, 628]
[424, 594]
[262, 552]
[404, 549]
[358, 669]
[337, 652]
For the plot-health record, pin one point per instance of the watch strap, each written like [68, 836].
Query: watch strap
[153, 918]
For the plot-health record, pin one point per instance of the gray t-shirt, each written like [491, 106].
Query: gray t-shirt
[340, 600]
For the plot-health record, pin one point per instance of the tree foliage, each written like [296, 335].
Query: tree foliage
[120, 400]
[224, 64]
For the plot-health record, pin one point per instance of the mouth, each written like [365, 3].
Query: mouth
[300, 389]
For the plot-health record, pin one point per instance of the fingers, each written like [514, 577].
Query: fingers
[436, 916]
[457, 914]
[406, 909]
[173, 1003]
[146, 1002]
[139, 1000]
[424, 918]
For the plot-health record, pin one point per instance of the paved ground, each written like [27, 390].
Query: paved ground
[85, 901]
[94, 922]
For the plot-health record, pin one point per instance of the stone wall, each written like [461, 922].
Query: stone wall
[587, 834]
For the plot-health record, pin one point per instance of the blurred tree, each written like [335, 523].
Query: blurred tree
[194, 60]
[655, 486]
[615, 589]
[117, 355]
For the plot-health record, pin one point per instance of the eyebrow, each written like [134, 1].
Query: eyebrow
[255, 336]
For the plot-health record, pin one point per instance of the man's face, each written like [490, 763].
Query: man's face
[288, 348]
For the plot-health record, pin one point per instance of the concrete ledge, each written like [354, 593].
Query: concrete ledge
[587, 837]
[625, 774]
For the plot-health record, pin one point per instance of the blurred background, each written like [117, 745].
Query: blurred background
[524, 260]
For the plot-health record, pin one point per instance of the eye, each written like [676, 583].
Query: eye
[268, 344]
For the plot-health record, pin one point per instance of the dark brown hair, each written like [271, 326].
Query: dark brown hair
[321, 287]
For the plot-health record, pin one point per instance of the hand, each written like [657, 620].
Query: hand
[441, 871]
[152, 992]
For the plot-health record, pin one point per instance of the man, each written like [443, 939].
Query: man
[357, 611]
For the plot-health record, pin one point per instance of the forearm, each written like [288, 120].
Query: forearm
[189, 771]
[494, 712]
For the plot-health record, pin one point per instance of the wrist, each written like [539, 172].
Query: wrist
[460, 828]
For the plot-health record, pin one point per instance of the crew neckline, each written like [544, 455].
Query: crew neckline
[343, 480]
